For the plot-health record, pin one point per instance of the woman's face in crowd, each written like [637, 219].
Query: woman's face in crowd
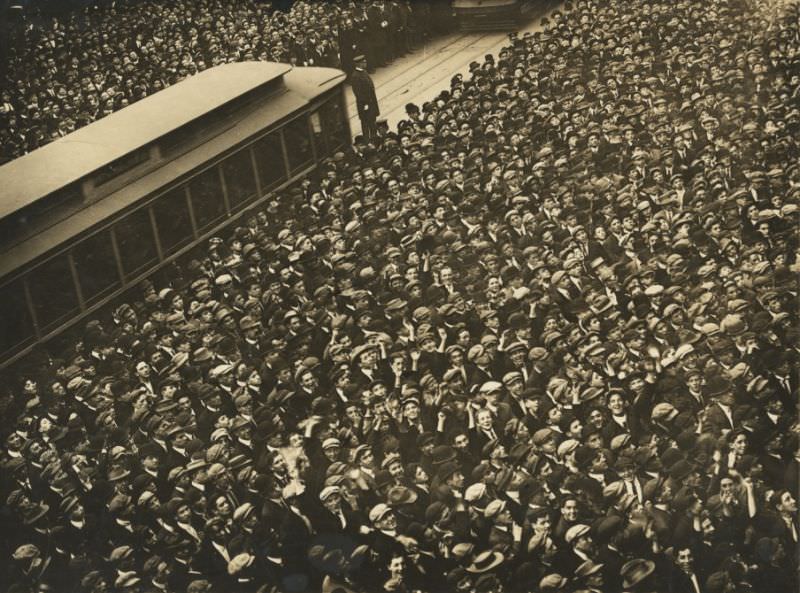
[739, 444]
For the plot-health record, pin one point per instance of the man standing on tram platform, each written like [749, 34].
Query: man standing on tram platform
[366, 99]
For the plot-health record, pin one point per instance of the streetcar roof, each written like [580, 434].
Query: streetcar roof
[75, 156]
[302, 85]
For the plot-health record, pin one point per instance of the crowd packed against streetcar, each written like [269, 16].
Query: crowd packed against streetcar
[542, 337]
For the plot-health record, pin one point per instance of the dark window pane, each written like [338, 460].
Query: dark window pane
[298, 144]
[207, 200]
[136, 243]
[173, 220]
[240, 181]
[335, 123]
[269, 158]
[319, 137]
[16, 327]
[96, 266]
[53, 293]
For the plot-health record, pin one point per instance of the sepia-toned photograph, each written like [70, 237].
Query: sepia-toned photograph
[399, 296]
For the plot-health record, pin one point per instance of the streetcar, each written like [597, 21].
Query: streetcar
[92, 214]
[482, 15]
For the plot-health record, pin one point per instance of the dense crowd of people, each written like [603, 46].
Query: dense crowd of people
[541, 338]
[66, 72]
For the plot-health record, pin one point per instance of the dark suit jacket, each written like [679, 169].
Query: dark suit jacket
[364, 91]
[717, 421]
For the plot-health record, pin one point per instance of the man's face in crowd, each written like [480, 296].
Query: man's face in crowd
[484, 419]
[396, 469]
[569, 510]
[787, 504]
[143, 370]
[584, 544]
[456, 481]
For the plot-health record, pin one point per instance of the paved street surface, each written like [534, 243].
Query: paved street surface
[422, 74]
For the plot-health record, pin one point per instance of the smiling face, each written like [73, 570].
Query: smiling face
[569, 510]
[616, 404]
[484, 419]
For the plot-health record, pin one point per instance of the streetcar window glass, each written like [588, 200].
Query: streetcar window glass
[319, 137]
[298, 144]
[53, 293]
[96, 266]
[240, 180]
[335, 123]
[269, 158]
[208, 202]
[173, 220]
[136, 242]
[16, 327]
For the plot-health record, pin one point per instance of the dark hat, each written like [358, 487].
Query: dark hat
[33, 514]
[718, 385]
[383, 478]
[434, 511]
[486, 583]
[607, 527]
[584, 456]
[442, 454]
[680, 470]
[447, 470]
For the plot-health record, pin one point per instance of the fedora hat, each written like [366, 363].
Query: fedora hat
[635, 571]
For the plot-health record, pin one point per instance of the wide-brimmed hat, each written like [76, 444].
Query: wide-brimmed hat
[485, 561]
[635, 571]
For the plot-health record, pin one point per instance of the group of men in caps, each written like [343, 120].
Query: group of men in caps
[542, 338]
[63, 72]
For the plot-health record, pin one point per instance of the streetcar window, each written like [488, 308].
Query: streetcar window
[319, 136]
[269, 158]
[16, 327]
[240, 180]
[136, 243]
[298, 144]
[96, 266]
[335, 123]
[53, 293]
[208, 202]
[173, 221]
